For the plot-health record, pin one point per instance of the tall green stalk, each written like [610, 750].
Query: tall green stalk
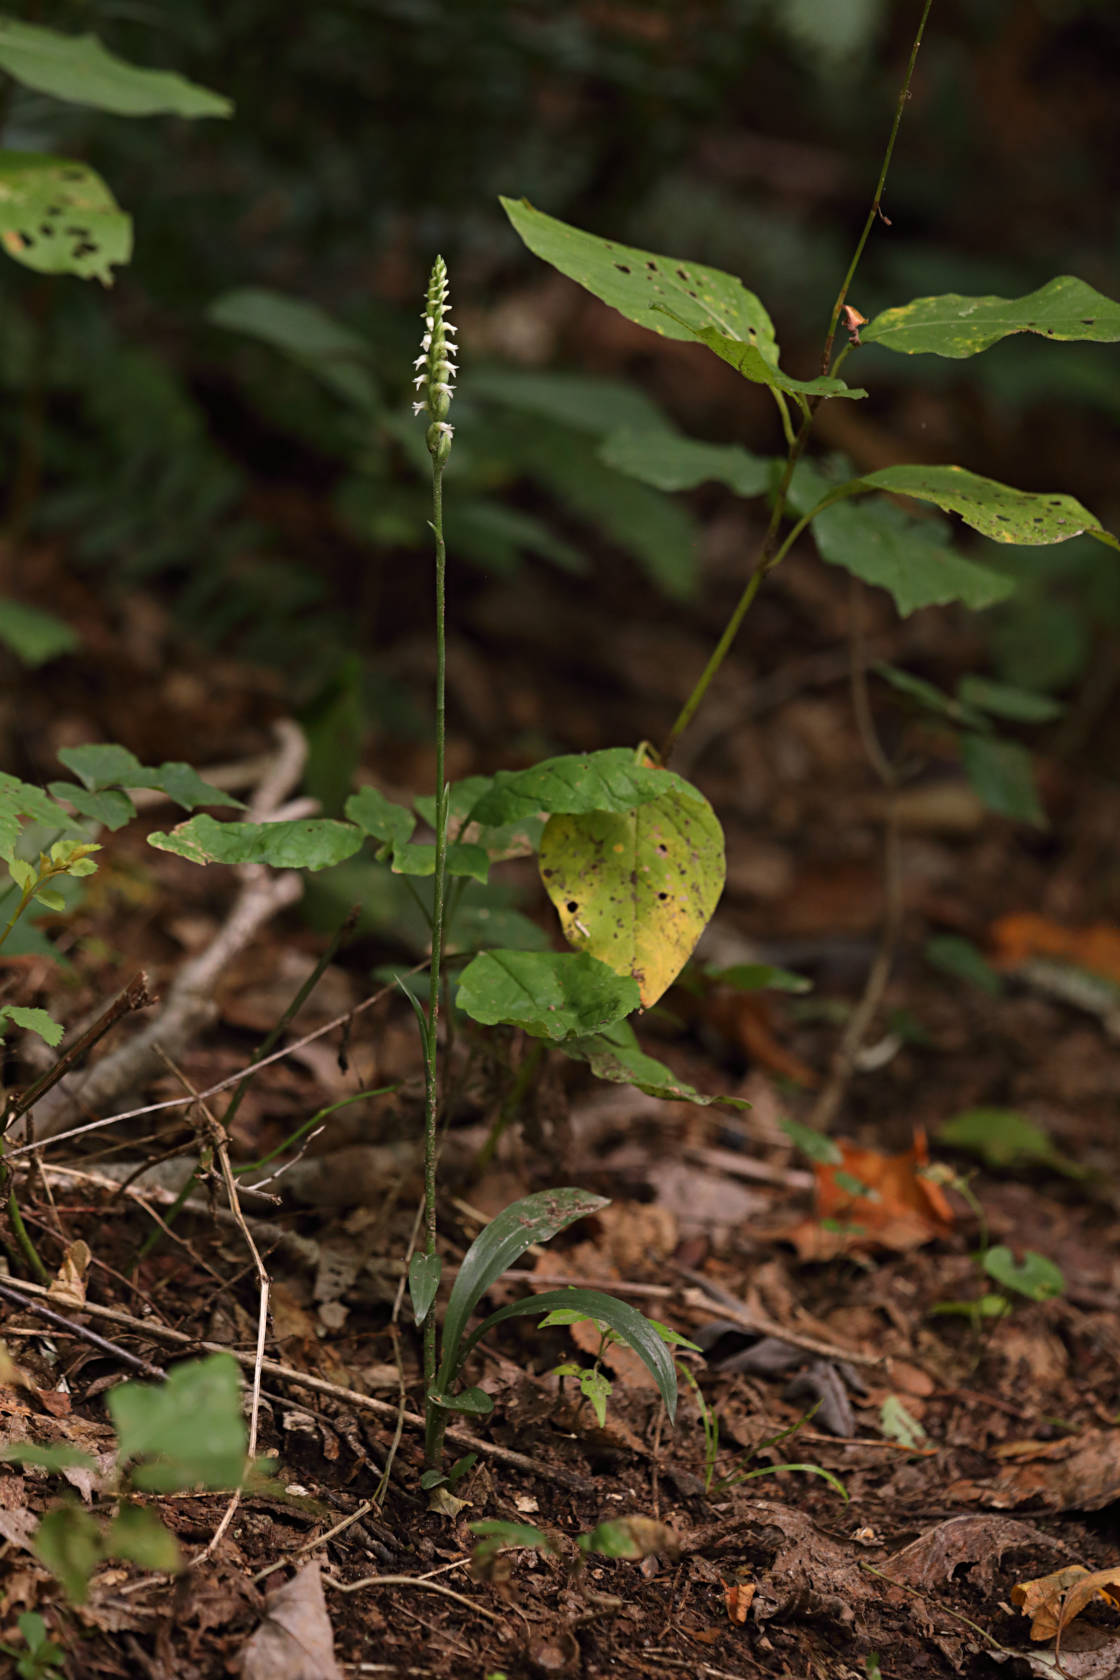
[436, 371]
[766, 558]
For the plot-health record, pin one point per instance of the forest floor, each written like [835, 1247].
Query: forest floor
[936, 1459]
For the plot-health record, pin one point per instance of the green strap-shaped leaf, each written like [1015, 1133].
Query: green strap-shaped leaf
[59, 217]
[628, 1324]
[303, 843]
[668, 295]
[994, 509]
[79, 69]
[550, 994]
[637, 889]
[532, 1219]
[956, 326]
[669, 461]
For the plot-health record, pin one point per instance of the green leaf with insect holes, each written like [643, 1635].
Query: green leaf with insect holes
[995, 510]
[668, 295]
[955, 326]
[637, 889]
[550, 994]
[57, 216]
[302, 843]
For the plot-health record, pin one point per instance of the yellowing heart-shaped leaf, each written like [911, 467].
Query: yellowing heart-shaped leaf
[636, 889]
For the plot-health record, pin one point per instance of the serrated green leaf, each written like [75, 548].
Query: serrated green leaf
[549, 994]
[424, 1271]
[995, 510]
[34, 636]
[1034, 1275]
[668, 295]
[1001, 775]
[910, 558]
[637, 889]
[104, 764]
[630, 1327]
[68, 1542]
[668, 461]
[79, 69]
[532, 1219]
[187, 1432]
[57, 216]
[137, 1534]
[955, 326]
[302, 843]
[111, 807]
[1018, 705]
[18, 800]
[615, 1055]
[380, 817]
[612, 780]
[334, 353]
[57, 1457]
[32, 1020]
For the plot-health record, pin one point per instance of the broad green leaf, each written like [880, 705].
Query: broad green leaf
[137, 1534]
[931, 698]
[111, 806]
[993, 509]
[68, 1541]
[669, 461]
[58, 1457]
[910, 558]
[963, 960]
[667, 295]
[1034, 1275]
[495, 1535]
[532, 1219]
[104, 764]
[615, 779]
[378, 816]
[1001, 775]
[34, 636]
[32, 1020]
[79, 69]
[58, 217]
[547, 993]
[615, 1055]
[19, 800]
[462, 859]
[303, 843]
[474, 1401]
[583, 401]
[334, 353]
[51, 898]
[187, 1432]
[1018, 705]
[637, 889]
[757, 977]
[423, 1282]
[629, 1325]
[952, 325]
[1004, 1138]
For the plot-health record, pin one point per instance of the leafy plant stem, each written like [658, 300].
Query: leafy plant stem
[19, 1230]
[877, 200]
[766, 560]
[431, 1042]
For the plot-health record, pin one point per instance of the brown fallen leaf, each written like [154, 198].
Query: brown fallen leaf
[294, 1641]
[1024, 934]
[975, 1542]
[900, 1210]
[1053, 1601]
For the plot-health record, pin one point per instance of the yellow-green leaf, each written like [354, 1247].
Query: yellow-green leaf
[636, 889]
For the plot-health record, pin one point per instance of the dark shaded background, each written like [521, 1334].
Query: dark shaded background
[276, 523]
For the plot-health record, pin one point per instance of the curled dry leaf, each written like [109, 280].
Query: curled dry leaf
[1053, 1601]
[294, 1641]
[871, 1200]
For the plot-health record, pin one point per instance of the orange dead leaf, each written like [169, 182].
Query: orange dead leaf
[1053, 1601]
[895, 1208]
[738, 1596]
[1024, 934]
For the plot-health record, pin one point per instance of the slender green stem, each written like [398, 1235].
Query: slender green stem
[431, 1043]
[766, 558]
[877, 201]
[19, 1230]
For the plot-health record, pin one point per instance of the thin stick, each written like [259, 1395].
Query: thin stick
[411, 1581]
[135, 996]
[83, 1333]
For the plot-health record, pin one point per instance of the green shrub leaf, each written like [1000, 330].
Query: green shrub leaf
[1001, 774]
[379, 817]
[104, 765]
[137, 1534]
[1018, 705]
[34, 636]
[549, 994]
[1034, 1275]
[637, 889]
[79, 69]
[302, 843]
[31, 1020]
[532, 1219]
[952, 325]
[994, 509]
[187, 1432]
[68, 1541]
[615, 1054]
[1004, 1138]
[668, 461]
[667, 295]
[19, 800]
[38, 192]
[615, 779]
[333, 353]
[56, 1457]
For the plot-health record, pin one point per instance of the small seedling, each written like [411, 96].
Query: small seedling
[41, 1657]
